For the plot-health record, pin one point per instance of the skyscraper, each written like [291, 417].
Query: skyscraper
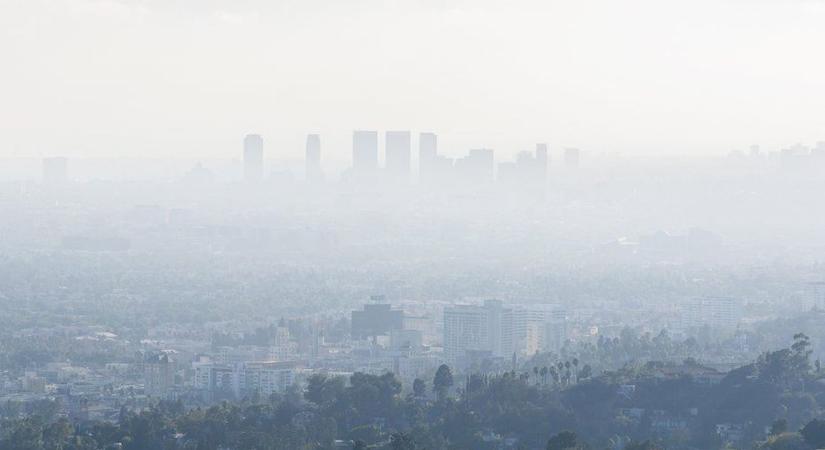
[571, 157]
[427, 156]
[477, 167]
[398, 155]
[541, 159]
[364, 152]
[55, 170]
[253, 158]
[313, 158]
[486, 328]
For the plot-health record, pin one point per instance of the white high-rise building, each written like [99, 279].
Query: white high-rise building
[397, 159]
[472, 328]
[817, 294]
[364, 152]
[241, 379]
[501, 331]
[714, 312]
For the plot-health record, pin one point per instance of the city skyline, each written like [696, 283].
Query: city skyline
[718, 76]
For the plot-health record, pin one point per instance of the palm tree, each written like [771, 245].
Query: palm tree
[575, 370]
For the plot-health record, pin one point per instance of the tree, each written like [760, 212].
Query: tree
[586, 372]
[779, 426]
[801, 349]
[646, 445]
[419, 387]
[814, 433]
[402, 441]
[442, 381]
[566, 440]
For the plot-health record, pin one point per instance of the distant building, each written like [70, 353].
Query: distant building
[253, 158]
[572, 157]
[501, 331]
[427, 156]
[312, 162]
[243, 379]
[542, 160]
[529, 169]
[817, 293]
[55, 170]
[376, 320]
[715, 312]
[406, 339]
[477, 328]
[477, 167]
[364, 152]
[398, 155]
[556, 330]
[158, 374]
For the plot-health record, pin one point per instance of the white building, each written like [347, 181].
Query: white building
[241, 379]
[502, 331]
[714, 312]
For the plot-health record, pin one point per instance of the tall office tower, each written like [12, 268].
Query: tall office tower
[817, 294]
[472, 328]
[253, 158]
[364, 152]
[313, 158]
[571, 157]
[427, 156]
[476, 167]
[541, 158]
[715, 312]
[376, 320]
[55, 170]
[398, 155]
[158, 374]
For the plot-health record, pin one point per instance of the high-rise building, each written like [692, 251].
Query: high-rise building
[253, 158]
[502, 331]
[477, 167]
[714, 312]
[364, 152]
[158, 374]
[427, 154]
[817, 294]
[376, 319]
[398, 155]
[474, 328]
[542, 160]
[246, 378]
[55, 170]
[313, 158]
[571, 157]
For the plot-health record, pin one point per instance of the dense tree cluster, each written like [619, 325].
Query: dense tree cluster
[774, 403]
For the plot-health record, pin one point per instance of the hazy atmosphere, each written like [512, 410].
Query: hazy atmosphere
[185, 78]
[421, 225]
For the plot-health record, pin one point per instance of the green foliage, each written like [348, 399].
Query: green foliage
[487, 409]
[779, 426]
[419, 387]
[566, 440]
[442, 381]
[814, 433]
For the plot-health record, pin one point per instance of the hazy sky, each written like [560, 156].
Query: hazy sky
[191, 77]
